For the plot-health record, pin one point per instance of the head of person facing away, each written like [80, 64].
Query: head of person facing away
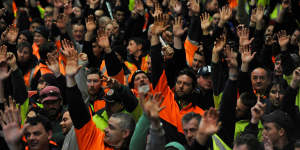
[244, 104]
[247, 142]
[113, 102]
[119, 130]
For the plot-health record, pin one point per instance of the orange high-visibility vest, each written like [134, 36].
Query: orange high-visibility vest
[190, 50]
[30, 75]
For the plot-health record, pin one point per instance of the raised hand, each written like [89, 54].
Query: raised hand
[283, 39]
[257, 111]
[58, 3]
[4, 72]
[178, 30]
[259, 13]
[168, 52]
[82, 57]
[12, 33]
[151, 106]
[219, 44]
[253, 17]
[157, 10]
[209, 123]
[52, 63]
[90, 23]
[225, 14]
[247, 57]
[159, 25]
[111, 82]
[3, 53]
[205, 22]
[67, 46]
[103, 41]
[231, 57]
[72, 66]
[194, 6]
[11, 124]
[244, 37]
[296, 78]
[11, 61]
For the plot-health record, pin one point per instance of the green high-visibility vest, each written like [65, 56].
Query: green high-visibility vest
[218, 143]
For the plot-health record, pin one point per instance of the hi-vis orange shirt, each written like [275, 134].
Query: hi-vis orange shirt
[89, 137]
[133, 68]
[172, 113]
[190, 50]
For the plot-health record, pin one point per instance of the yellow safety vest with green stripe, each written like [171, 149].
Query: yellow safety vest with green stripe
[218, 143]
[289, 79]
[25, 108]
[101, 117]
[241, 125]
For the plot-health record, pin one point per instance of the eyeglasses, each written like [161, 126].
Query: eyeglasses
[50, 93]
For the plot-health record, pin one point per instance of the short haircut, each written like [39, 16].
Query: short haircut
[189, 116]
[189, 72]
[138, 41]
[126, 123]
[40, 119]
[93, 70]
[46, 48]
[283, 85]
[25, 44]
[249, 100]
[201, 53]
[248, 139]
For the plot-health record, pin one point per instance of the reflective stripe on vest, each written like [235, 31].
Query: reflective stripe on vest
[218, 143]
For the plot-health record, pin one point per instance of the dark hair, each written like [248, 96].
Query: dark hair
[126, 123]
[249, 100]
[93, 70]
[283, 85]
[138, 41]
[37, 20]
[40, 119]
[28, 35]
[189, 116]
[25, 44]
[46, 48]
[248, 139]
[189, 72]
[201, 53]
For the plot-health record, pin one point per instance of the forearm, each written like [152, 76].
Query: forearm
[88, 36]
[78, 110]
[19, 88]
[195, 29]
[157, 139]
[112, 64]
[131, 101]
[178, 43]
[138, 140]
[156, 63]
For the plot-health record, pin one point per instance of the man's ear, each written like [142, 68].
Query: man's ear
[125, 133]
[139, 46]
[49, 134]
[282, 132]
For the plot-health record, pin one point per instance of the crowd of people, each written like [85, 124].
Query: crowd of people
[149, 74]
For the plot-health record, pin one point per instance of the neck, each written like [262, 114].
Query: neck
[137, 55]
[281, 143]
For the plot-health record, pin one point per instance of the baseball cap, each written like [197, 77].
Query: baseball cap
[112, 96]
[204, 71]
[50, 93]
